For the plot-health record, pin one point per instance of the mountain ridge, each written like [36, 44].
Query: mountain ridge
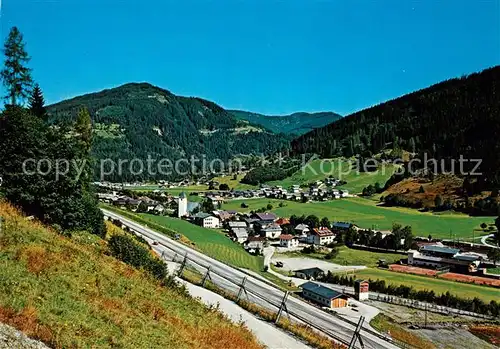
[296, 123]
[137, 120]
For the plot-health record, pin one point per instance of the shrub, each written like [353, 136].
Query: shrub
[127, 250]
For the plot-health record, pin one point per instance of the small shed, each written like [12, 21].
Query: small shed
[361, 289]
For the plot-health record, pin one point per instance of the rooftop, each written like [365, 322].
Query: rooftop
[440, 249]
[286, 237]
[323, 231]
[266, 216]
[321, 290]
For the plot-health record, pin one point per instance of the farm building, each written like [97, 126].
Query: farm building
[323, 295]
[436, 256]
[309, 273]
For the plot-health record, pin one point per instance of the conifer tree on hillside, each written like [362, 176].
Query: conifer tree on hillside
[37, 103]
[62, 197]
[15, 75]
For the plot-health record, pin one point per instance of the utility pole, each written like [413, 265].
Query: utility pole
[206, 276]
[425, 318]
[183, 265]
[242, 289]
[282, 306]
[356, 334]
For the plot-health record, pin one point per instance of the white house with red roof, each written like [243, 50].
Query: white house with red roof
[288, 241]
[321, 236]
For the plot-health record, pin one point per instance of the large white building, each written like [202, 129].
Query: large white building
[321, 236]
[206, 220]
[182, 210]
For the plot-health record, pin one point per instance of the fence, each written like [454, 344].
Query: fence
[416, 304]
[240, 290]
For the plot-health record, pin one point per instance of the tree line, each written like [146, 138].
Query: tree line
[446, 299]
[458, 117]
[64, 199]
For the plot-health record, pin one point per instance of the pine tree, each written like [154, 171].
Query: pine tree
[16, 77]
[37, 103]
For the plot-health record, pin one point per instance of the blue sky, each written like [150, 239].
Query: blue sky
[258, 55]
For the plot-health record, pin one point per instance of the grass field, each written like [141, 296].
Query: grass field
[69, 293]
[366, 214]
[211, 242]
[437, 285]
[234, 183]
[338, 168]
[349, 256]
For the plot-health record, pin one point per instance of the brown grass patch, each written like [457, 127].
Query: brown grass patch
[488, 333]
[38, 259]
[27, 321]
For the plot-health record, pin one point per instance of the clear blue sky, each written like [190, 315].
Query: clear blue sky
[258, 55]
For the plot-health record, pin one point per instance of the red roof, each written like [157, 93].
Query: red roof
[286, 237]
[282, 221]
[323, 231]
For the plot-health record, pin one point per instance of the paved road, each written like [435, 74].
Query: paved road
[326, 322]
[484, 242]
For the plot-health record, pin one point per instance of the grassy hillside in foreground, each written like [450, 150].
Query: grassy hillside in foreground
[367, 214]
[211, 242]
[68, 292]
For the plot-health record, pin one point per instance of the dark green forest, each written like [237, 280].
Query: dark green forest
[296, 123]
[456, 117]
[136, 120]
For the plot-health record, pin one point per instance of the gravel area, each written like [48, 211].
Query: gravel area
[294, 263]
[10, 338]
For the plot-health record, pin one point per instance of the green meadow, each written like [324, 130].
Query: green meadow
[339, 168]
[439, 286]
[366, 214]
[211, 242]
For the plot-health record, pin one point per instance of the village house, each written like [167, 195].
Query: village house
[265, 218]
[270, 231]
[283, 221]
[222, 215]
[288, 241]
[159, 209]
[206, 220]
[321, 236]
[302, 229]
[240, 235]
[255, 244]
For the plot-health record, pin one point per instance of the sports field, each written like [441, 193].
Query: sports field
[366, 214]
[211, 242]
[439, 286]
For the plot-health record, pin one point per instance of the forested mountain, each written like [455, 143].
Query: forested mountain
[136, 120]
[296, 123]
[452, 118]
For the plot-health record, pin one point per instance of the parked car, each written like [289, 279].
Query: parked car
[279, 264]
[155, 242]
